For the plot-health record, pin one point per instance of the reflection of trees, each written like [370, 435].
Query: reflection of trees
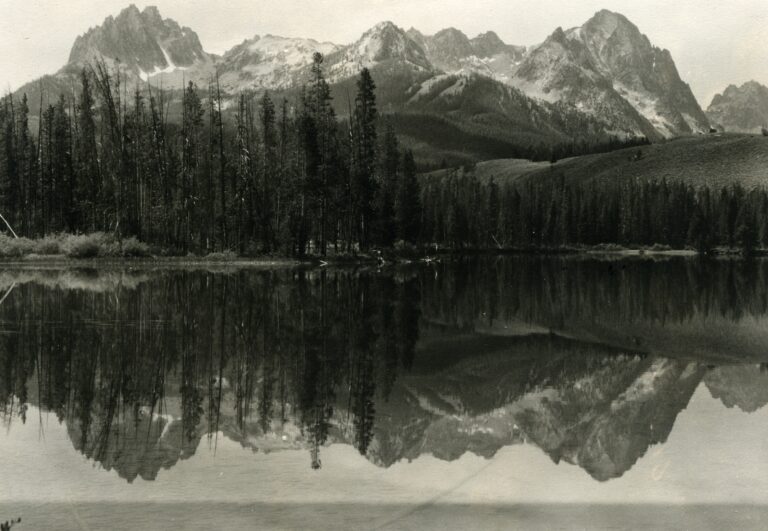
[553, 290]
[167, 361]
[303, 358]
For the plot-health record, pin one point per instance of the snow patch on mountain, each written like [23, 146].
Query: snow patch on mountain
[269, 62]
[647, 105]
[171, 67]
[383, 43]
[426, 87]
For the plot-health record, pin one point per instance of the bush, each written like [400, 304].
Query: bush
[14, 247]
[49, 245]
[609, 247]
[73, 246]
[660, 247]
[84, 245]
[223, 256]
[134, 248]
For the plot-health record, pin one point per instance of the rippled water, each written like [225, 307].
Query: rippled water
[514, 392]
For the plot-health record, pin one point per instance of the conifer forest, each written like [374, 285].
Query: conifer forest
[263, 174]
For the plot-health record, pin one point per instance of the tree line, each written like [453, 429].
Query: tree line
[254, 175]
[462, 211]
[247, 174]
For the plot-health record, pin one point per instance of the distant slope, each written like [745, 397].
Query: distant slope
[715, 160]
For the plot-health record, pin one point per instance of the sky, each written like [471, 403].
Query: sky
[713, 42]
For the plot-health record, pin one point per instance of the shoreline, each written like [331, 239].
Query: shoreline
[382, 259]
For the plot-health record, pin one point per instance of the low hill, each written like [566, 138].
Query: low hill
[715, 160]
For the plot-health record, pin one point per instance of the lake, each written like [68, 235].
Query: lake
[509, 392]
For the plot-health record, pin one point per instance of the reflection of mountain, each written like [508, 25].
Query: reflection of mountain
[470, 359]
[743, 386]
[584, 404]
[134, 444]
[140, 442]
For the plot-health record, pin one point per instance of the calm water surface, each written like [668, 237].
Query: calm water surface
[508, 393]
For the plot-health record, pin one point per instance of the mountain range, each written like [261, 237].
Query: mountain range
[603, 78]
[598, 408]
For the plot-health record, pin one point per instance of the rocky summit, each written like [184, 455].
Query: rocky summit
[740, 109]
[142, 41]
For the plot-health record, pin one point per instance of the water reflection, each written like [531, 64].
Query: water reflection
[590, 361]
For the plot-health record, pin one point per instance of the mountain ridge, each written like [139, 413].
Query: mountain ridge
[604, 75]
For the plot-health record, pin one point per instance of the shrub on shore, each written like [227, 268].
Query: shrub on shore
[221, 256]
[83, 245]
[94, 245]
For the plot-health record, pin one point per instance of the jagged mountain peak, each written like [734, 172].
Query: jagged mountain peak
[268, 61]
[557, 36]
[741, 108]
[609, 69]
[454, 39]
[383, 43]
[488, 44]
[490, 36]
[749, 87]
[608, 22]
[152, 13]
[451, 51]
[448, 48]
[453, 33]
[384, 27]
[143, 41]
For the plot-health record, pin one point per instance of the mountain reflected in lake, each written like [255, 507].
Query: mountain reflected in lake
[589, 361]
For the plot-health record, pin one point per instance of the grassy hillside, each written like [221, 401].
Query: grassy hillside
[715, 160]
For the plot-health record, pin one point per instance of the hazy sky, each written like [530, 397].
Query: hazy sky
[713, 42]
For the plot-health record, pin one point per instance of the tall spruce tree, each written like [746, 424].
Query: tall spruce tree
[364, 157]
[387, 187]
[192, 150]
[269, 171]
[408, 202]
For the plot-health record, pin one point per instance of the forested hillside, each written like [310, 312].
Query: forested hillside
[699, 192]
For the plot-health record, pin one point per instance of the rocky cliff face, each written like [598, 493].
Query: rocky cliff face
[269, 62]
[452, 51]
[382, 45]
[742, 386]
[609, 69]
[142, 41]
[741, 109]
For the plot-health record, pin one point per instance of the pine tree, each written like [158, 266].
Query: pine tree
[269, 186]
[324, 119]
[700, 232]
[746, 231]
[364, 156]
[408, 212]
[191, 159]
[387, 188]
